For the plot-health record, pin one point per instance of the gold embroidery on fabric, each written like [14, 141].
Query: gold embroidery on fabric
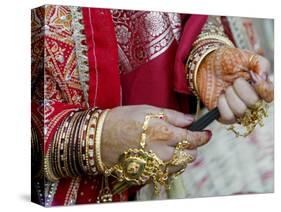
[213, 25]
[142, 36]
[60, 56]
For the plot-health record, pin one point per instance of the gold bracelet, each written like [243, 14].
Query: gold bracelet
[193, 64]
[209, 36]
[97, 145]
[90, 141]
[204, 45]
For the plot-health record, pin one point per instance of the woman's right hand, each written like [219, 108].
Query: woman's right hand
[123, 127]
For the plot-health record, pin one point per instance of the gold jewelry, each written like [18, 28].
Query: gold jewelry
[147, 118]
[138, 166]
[90, 156]
[185, 144]
[251, 119]
[70, 153]
[206, 43]
[180, 157]
[214, 36]
[252, 61]
[193, 63]
[97, 146]
[105, 194]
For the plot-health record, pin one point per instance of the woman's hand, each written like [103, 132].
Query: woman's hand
[234, 80]
[123, 127]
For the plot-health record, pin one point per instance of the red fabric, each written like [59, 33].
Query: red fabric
[104, 83]
[61, 93]
[151, 83]
[161, 81]
[191, 30]
[61, 192]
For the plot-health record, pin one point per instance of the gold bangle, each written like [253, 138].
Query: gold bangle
[193, 64]
[197, 68]
[209, 36]
[205, 44]
[90, 141]
[48, 171]
[97, 145]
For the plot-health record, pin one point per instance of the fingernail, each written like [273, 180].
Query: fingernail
[189, 117]
[209, 133]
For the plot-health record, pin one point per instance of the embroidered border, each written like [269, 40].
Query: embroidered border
[239, 33]
[81, 50]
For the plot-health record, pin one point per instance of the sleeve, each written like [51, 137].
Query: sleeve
[211, 38]
[63, 130]
[192, 27]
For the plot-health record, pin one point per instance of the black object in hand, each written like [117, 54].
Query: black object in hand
[205, 120]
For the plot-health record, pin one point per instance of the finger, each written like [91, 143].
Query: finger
[197, 139]
[237, 106]
[165, 153]
[160, 131]
[191, 154]
[263, 86]
[178, 119]
[259, 65]
[259, 70]
[245, 91]
[193, 139]
[226, 114]
[170, 152]
[230, 78]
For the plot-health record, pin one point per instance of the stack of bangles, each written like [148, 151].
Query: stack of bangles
[204, 45]
[71, 152]
[76, 151]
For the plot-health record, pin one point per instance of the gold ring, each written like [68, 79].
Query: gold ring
[185, 144]
[180, 157]
[252, 61]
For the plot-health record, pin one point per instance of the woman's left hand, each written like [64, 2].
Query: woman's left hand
[234, 80]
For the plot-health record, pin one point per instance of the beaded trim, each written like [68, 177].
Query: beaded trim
[71, 195]
[81, 49]
[45, 191]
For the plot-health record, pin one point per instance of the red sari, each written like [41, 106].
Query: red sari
[82, 58]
